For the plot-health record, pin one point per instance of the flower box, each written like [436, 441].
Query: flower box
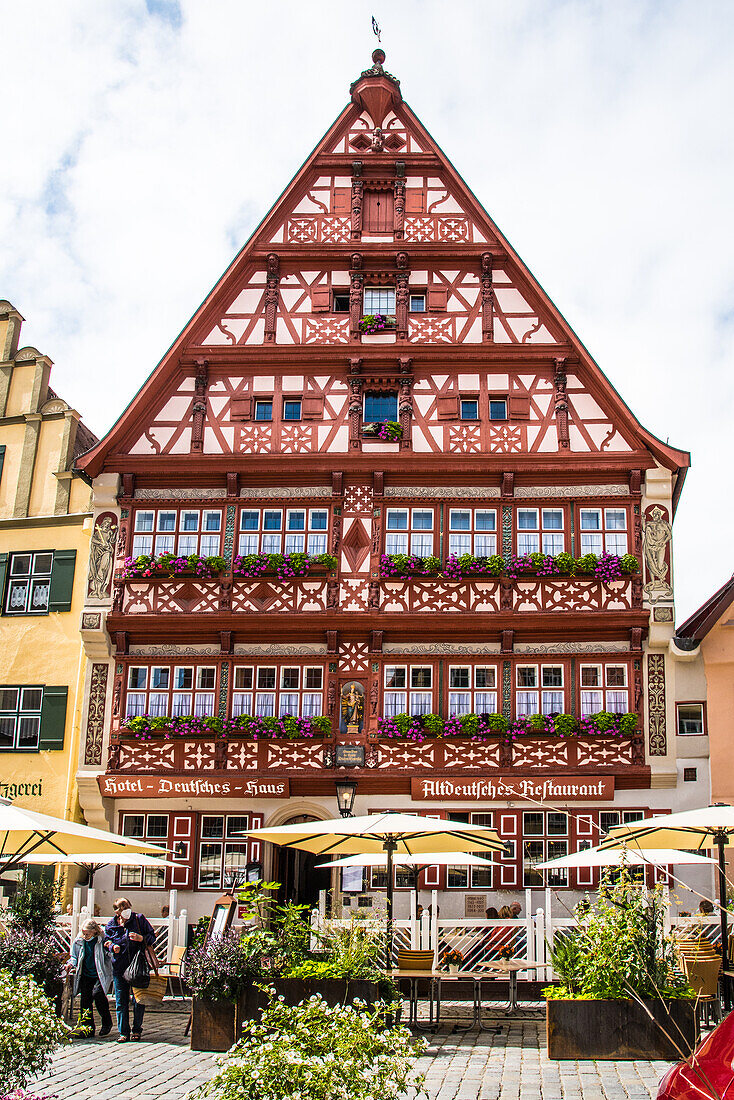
[284, 566]
[625, 1030]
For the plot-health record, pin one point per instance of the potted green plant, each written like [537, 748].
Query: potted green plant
[619, 994]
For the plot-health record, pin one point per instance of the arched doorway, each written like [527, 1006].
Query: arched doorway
[296, 871]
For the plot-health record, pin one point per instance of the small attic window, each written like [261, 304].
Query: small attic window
[341, 301]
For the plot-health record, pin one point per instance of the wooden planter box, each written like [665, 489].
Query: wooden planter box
[620, 1029]
[212, 1024]
[335, 991]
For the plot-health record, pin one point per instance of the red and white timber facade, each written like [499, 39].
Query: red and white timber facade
[252, 436]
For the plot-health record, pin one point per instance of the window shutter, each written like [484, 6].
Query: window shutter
[241, 408]
[3, 577]
[62, 580]
[53, 718]
[413, 201]
[437, 296]
[342, 203]
[313, 408]
[448, 408]
[320, 296]
[518, 406]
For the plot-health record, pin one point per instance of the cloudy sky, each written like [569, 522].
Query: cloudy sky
[143, 140]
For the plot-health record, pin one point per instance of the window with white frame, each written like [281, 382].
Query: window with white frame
[182, 531]
[603, 530]
[29, 583]
[280, 691]
[526, 690]
[472, 689]
[462, 877]
[269, 531]
[409, 531]
[551, 694]
[690, 719]
[163, 691]
[604, 687]
[395, 693]
[152, 828]
[540, 530]
[473, 531]
[545, 837]
[20, 717]
[379, 299]
[222, 851]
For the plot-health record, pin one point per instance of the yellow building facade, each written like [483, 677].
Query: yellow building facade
[45, 529]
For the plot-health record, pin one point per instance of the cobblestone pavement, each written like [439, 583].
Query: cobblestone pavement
[470, 1066]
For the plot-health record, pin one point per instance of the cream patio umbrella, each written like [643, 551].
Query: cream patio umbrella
[395, 835]
[624, 857]
[708, 827]
[26, 832]
[95, 861]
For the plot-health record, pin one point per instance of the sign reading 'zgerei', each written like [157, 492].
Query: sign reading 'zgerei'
[501, 787]
[155, 786]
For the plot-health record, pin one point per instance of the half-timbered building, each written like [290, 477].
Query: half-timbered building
[381, 519]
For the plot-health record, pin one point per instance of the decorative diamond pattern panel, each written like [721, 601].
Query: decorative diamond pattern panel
[353, 657]
[312, 230]
[241, 756]
[326, 330]
[569, 594]
[295, 756]
[254, 439]
[278, 596]
[358, 498]
[439, 595]
[436, 330]
[471, 755]
[465, 439]
[530, 754]
[356, 545]
[436, 228]
[354, 594]
[401, 755]
[297, 438]
[604, 754]
[505, 439]
[146, 757]
[198, 756]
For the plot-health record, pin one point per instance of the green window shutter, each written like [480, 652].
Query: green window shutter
[3, 577]
[62, 580]
[53, 717]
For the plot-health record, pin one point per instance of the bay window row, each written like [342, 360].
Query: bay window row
[268, 691]
[423, 530]
[537, 689]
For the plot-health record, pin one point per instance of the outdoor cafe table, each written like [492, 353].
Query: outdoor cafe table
[436, 979]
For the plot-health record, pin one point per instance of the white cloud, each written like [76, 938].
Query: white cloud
[144, 141]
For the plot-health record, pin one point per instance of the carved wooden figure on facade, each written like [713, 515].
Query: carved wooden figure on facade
[656, 535]
[102, 556]
[352, 708]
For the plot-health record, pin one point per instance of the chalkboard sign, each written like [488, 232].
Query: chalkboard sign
[350, 756]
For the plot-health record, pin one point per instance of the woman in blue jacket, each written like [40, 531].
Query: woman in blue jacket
[127, 934]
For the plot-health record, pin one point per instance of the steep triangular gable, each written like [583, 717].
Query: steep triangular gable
[311, 217]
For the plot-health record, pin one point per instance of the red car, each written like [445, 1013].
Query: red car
[709, 1075]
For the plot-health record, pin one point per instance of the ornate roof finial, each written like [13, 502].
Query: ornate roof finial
[375, 90]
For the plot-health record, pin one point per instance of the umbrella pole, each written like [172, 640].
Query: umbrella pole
[389, 846]
[721, 839]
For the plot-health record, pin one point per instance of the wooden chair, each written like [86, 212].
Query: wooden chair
[175, 972]
[701, 964]
[414, 960]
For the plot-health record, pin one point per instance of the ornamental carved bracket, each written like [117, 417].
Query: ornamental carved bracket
[272, 297]
[199, 407]
[560, 402]
[487, 292]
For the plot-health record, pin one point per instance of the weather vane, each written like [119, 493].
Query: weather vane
[376, 29]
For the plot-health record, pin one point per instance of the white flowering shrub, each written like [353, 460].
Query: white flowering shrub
[30, 1030]
[312, 1051]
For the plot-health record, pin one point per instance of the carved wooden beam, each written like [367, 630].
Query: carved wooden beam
[357, 199]
[399, 214]
[560, 400]
[355, 403]
[272, 296]
[199, 407]
[487, 298]
[355, 295]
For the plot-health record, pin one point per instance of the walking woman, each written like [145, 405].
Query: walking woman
[127, 934]
[92, 968]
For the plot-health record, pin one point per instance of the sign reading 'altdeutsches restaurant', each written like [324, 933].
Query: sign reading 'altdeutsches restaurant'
[501, 787]
[154, 786]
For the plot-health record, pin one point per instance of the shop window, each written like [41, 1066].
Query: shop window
[222, 851]
[545, 837]
[154, 829]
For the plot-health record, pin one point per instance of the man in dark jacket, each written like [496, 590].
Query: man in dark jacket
[126, 935]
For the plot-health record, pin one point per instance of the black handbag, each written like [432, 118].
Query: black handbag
[137, 974]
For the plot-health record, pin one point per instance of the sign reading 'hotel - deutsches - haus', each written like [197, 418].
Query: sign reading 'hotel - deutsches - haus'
[502, 787]
[154, 786]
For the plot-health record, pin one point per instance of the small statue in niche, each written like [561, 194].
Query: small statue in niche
[656, 534]
[102, 556]
[352, 707]
[378, 140]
